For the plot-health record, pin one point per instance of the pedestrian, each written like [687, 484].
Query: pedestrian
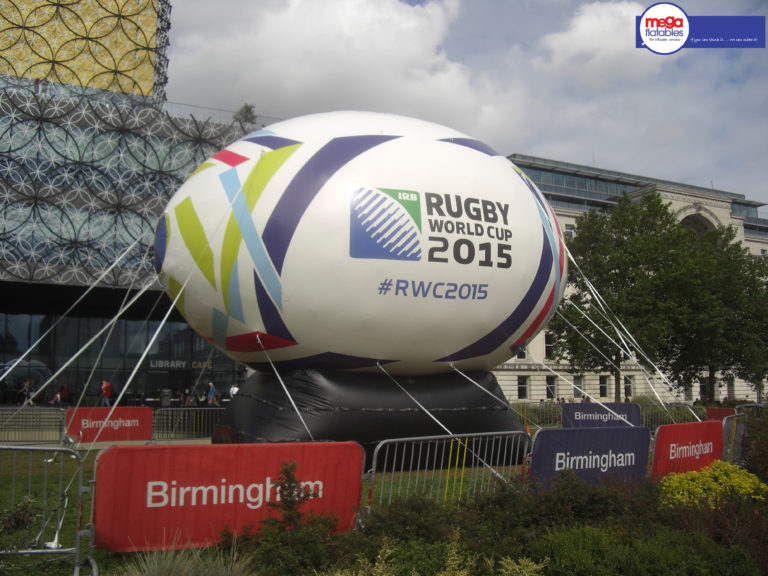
[106, 393]
[26, 391]
[64, 394]
[211, 396]
[233, 390]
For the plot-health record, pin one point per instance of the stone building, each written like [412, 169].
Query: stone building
[572, 189]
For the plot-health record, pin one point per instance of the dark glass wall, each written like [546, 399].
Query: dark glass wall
[177, 360]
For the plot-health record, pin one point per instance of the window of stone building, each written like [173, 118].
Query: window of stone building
[522, 387]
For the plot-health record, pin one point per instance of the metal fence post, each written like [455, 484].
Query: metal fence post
[35, 492]
[444, 467]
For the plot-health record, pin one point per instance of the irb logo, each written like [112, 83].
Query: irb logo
[668, 22]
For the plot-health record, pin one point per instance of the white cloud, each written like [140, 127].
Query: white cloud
[562, 80]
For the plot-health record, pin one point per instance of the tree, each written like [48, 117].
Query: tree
[622, 253]
[245, 115]
[681, 297]
[721, 329]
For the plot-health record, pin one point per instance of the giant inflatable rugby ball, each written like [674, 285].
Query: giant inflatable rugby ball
[350, 240]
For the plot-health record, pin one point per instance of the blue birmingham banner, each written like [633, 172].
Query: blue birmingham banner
[719, 32]
[592, 415]
[591, 453]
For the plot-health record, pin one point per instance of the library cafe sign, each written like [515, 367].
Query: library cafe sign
[169, 364]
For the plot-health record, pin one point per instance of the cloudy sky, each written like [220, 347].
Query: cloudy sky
[560, 79]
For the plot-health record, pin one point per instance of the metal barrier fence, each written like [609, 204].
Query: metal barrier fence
[445, 467]
[734, 433]
[41, 504]
[750, 409]
[655, 416]
[537, 415]
[185, 423]
[32, 424]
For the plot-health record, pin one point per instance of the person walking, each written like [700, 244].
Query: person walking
[106, 393]
[211, 396]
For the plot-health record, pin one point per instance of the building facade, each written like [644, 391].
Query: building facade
[88, 160]
[573, 189]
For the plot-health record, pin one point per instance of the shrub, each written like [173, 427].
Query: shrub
[569, 500]
[671, 552]
[608, 551]
[291, 541]
[188, 562]
[726, 503]
[709, 486]
[383, 565]
[756, 444]
[580, 551]
[19, 517]
[522, 567]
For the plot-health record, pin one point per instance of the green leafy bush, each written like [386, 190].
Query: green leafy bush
[522, 567]
[710, 486]
[571, 527]
[608, 551]
[291, 541]
[19, 517]
[756, 445]
[188, 562]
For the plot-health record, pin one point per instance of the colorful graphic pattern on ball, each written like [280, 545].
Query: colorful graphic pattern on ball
[384, 224]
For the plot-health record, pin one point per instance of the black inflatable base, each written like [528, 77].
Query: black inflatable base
[365, 408]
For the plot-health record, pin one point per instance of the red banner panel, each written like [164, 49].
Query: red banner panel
[132, 423]
[163, 497]
[686, 447]
[718, 413]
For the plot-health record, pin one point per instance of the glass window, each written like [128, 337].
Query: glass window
[546, 177]
[602, 186]
[178, 356]
[628, 383]
[603, 386]
[533, 174]
[578, 386]
[66, 340]
[557, 179]
[551, 387]
[569, 180]
[136, 338]
[16, 337]
[112, 356]
[522, 387]
[549, 346]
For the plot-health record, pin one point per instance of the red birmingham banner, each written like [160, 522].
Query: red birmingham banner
[719, 413]
[166, 497]
[131, 423]
[686, 447]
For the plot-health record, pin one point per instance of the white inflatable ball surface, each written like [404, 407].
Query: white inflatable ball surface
[354, 240]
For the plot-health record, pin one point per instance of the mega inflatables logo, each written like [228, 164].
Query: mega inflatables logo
[664, 28]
